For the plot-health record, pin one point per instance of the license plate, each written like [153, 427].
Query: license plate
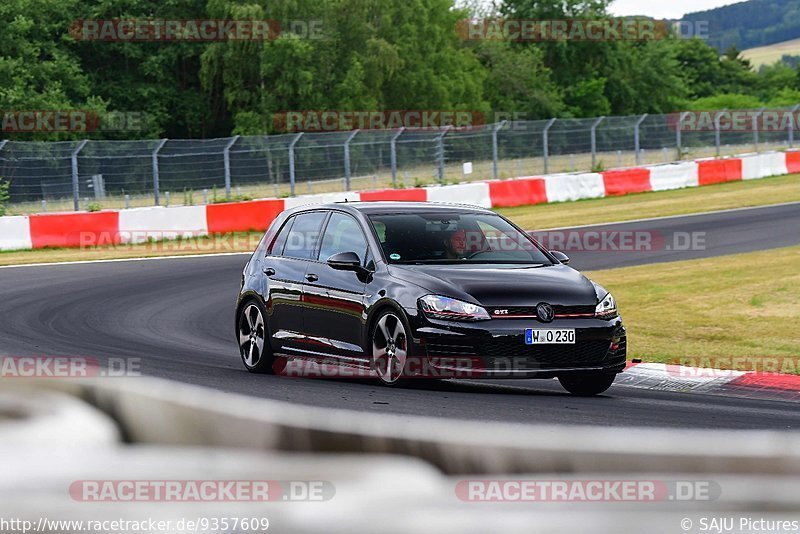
[565, 336]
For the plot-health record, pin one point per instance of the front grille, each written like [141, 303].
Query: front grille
[512, 351]
[442, 350]
[530, 311]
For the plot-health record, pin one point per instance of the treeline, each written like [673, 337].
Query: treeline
[373, 55]
[752, 23]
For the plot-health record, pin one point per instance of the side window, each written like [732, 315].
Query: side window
[304, 234]
[343, 234]
[280, 240]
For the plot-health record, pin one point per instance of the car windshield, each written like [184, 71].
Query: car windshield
[454, 238]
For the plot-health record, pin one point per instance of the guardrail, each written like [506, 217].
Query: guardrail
[376, 467]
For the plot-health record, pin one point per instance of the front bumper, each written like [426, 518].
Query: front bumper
[497, 349]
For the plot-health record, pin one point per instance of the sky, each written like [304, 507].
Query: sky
[664, 9]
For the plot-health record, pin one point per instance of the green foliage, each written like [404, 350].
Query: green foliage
[94, 206]
[518, 80]
[726, 101]
[234, 198]
[4, 197]
[372, 55]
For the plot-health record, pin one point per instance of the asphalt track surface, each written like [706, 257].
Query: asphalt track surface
[176, 316]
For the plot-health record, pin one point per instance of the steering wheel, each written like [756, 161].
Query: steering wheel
[476, 254]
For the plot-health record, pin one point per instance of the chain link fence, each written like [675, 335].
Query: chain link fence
[74, 175]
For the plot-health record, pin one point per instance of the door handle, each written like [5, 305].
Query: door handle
[269, 271]
[312, 277]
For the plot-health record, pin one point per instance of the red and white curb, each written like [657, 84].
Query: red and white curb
[682, 379]
[82, 229]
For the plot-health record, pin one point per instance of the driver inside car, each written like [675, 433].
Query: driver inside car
[456, 245]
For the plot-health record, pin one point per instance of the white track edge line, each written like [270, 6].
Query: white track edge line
[119, 260]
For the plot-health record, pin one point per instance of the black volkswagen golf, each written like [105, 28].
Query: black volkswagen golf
[408, 290]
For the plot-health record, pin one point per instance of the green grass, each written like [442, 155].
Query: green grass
[224, 243]
[744, 305]
[660, 204]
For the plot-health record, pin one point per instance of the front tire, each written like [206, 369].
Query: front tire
[253, 339]
[587, 384]
[389, 347]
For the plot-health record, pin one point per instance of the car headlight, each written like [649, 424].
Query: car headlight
[607, 308]
[449, 309]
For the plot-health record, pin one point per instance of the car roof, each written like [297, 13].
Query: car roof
[397, 207]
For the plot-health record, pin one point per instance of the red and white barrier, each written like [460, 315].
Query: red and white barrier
[716, 171]
[15, 233]
[569, 187]
[242, 216]
[756, 166]
[517, 192]
[674, 176]
[139, 225]
[79, 229]
[476, 193]
[626, 181]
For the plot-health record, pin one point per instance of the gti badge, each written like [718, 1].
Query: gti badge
[545, 312]
[501, 312]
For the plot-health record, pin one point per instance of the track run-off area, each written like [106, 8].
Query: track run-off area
[175, 317]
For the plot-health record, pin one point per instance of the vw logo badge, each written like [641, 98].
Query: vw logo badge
[545, 312]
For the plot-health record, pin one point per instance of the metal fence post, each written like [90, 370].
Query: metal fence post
[790, 126]
[755, 127]
[440, 154]
[347, 159]
[494, 147]
[679, 134]
[637, 140]
[393, 154]
[717, 140]
[76, 192]
[156, 179]
[593, 140]
[546, 143]
[292, 177]
[226, 161]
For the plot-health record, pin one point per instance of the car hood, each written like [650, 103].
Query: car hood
[502, 285]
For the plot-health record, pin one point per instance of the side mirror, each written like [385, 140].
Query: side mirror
[560, 256]
[345, 261]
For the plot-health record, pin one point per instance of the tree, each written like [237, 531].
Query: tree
[40, 73]
[518, 82]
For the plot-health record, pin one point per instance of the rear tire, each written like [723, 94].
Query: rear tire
[587, 384]
[253, 339]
